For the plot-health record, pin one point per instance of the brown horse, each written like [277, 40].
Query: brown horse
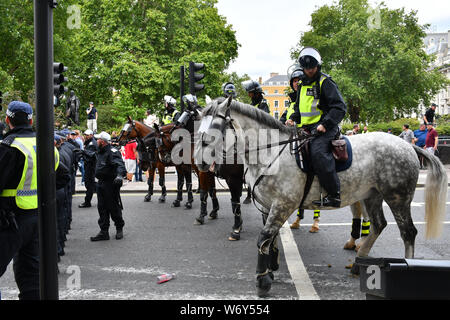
[148, 154]
[207, 184]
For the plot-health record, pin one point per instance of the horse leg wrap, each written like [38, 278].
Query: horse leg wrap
[356, 228]
[264, 241]
[301, 213]
[365, 229]
[148, 197]
[163, 190]
[203, 207]
[274, 262]
[316, 214]
[264, 276]
[237, 227]
[215, 201]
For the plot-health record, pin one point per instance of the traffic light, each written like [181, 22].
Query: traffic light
[58, 78]
[194, 77]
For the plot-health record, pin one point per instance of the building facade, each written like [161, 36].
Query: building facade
[275, 89]
[438, 43]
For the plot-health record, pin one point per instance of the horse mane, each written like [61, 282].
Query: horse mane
[250, 112]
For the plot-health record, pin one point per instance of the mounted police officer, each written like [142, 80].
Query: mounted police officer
[19, 237]
[229, 89]
[89, 155]
[255, 92]
[171, 114]
[294, 79]
[320, 108]
[109, 171]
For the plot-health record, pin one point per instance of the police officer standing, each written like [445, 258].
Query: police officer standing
[255, 92]
[109, 171]
[171, 114]
[319, 109]
[89, 155]
[19, 235]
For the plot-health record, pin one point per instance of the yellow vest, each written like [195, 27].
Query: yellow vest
[169, 117]
[26, 192]
[309, 112]
[290, 110]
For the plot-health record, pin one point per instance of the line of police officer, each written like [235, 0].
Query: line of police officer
[19, 237]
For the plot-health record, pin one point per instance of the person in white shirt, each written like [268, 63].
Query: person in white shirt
[151, 119]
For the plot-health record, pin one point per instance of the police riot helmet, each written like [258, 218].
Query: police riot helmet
[190, 99]
[309, 58]
[295, 74]
[170, 100]
[252, 86]
[229, 89]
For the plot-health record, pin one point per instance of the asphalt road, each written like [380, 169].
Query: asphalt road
[159, 239]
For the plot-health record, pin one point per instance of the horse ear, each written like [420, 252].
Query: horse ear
[155, 125]
[129, 119]
[230, 99]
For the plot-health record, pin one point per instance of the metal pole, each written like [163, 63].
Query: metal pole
[43, 59]
[182, 88]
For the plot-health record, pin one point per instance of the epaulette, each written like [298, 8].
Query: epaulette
[8, 140]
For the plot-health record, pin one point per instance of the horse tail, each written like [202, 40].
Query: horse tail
[435, 194]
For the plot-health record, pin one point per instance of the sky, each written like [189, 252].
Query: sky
[268, 29]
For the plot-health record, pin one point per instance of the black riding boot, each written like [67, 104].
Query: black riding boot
[248, 199]
[237, 227]
[163, 190]
[188, 204]
[203, 207]
[331, 200]
[148, 197]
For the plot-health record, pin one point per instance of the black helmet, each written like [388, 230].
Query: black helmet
[229, 89]
[298, 73]
[252, 86]
[309, 58]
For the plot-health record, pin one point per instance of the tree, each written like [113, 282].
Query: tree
[375, 56]
[137, 47]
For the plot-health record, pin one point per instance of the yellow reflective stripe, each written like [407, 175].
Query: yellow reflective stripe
[290, 110]
[365, 229]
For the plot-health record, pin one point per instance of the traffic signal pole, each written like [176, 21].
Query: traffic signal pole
[43, 61]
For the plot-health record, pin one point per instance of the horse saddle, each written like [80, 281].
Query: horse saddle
[341, 149]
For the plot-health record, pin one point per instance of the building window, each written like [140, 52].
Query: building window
[276, 115]
[276, 91]
[286, 103]
[276, 103]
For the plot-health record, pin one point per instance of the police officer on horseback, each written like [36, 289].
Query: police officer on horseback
[255, 92]
[319, 108]
[171, 114]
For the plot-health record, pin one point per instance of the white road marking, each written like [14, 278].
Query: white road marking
[349, 224]
[302, 282]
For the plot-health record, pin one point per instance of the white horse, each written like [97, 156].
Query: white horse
[384, 168]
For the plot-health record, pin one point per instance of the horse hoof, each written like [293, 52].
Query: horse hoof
[176, 204]
[314, 229]
[162, 199]
[213, 215]
[295, 225]
[349, 246]
[234, 236]
[247, 201]
[355, 269]
[199, 221]
[188, 205]
[147, 198]
[263, 285]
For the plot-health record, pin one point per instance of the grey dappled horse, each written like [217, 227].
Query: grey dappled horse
[384, 167]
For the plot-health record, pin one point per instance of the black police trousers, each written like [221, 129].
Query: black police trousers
[108, 205]
[89, 183]
[323, 162]
[23, 247]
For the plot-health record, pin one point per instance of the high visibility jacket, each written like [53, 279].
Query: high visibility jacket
[290, 110]
[308, 105]
[26, 192]
[168, 118]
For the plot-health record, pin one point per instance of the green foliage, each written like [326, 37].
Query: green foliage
[382, 71]
[396, 126]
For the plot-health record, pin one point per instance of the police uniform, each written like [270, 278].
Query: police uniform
[90, 158]
[19, 237]
[171, 115]
[319, 102]
[109, 171]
